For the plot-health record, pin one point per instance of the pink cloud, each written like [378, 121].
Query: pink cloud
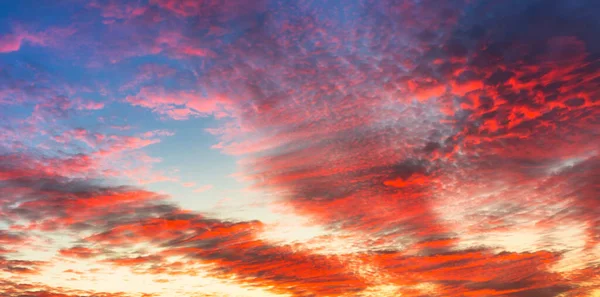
[10, 43]
[89, 105]
[115, 10]
[224, 10]
[49, 37]
[199, 52]
[178, 105]
[203, 188]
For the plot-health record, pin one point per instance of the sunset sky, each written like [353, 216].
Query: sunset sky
[301, 148]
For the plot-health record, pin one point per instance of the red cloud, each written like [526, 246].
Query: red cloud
[234, 249]
[79, 252]
[415, 124]
[18, 267]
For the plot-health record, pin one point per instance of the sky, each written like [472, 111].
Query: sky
[301, 148]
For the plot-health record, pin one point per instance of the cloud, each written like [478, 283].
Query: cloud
[18, 267]
[177, 105]
[49, 200]
[203, 188]
[79, 252]
[119, 217]
[13, 42]
[460, 101]
[221, 10]
[233, 248]
[432, 131]
[18, 289]
[10, 43]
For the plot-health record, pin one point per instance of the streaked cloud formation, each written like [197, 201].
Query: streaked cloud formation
[299, 148]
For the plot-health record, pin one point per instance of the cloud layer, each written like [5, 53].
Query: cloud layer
[441, 149]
